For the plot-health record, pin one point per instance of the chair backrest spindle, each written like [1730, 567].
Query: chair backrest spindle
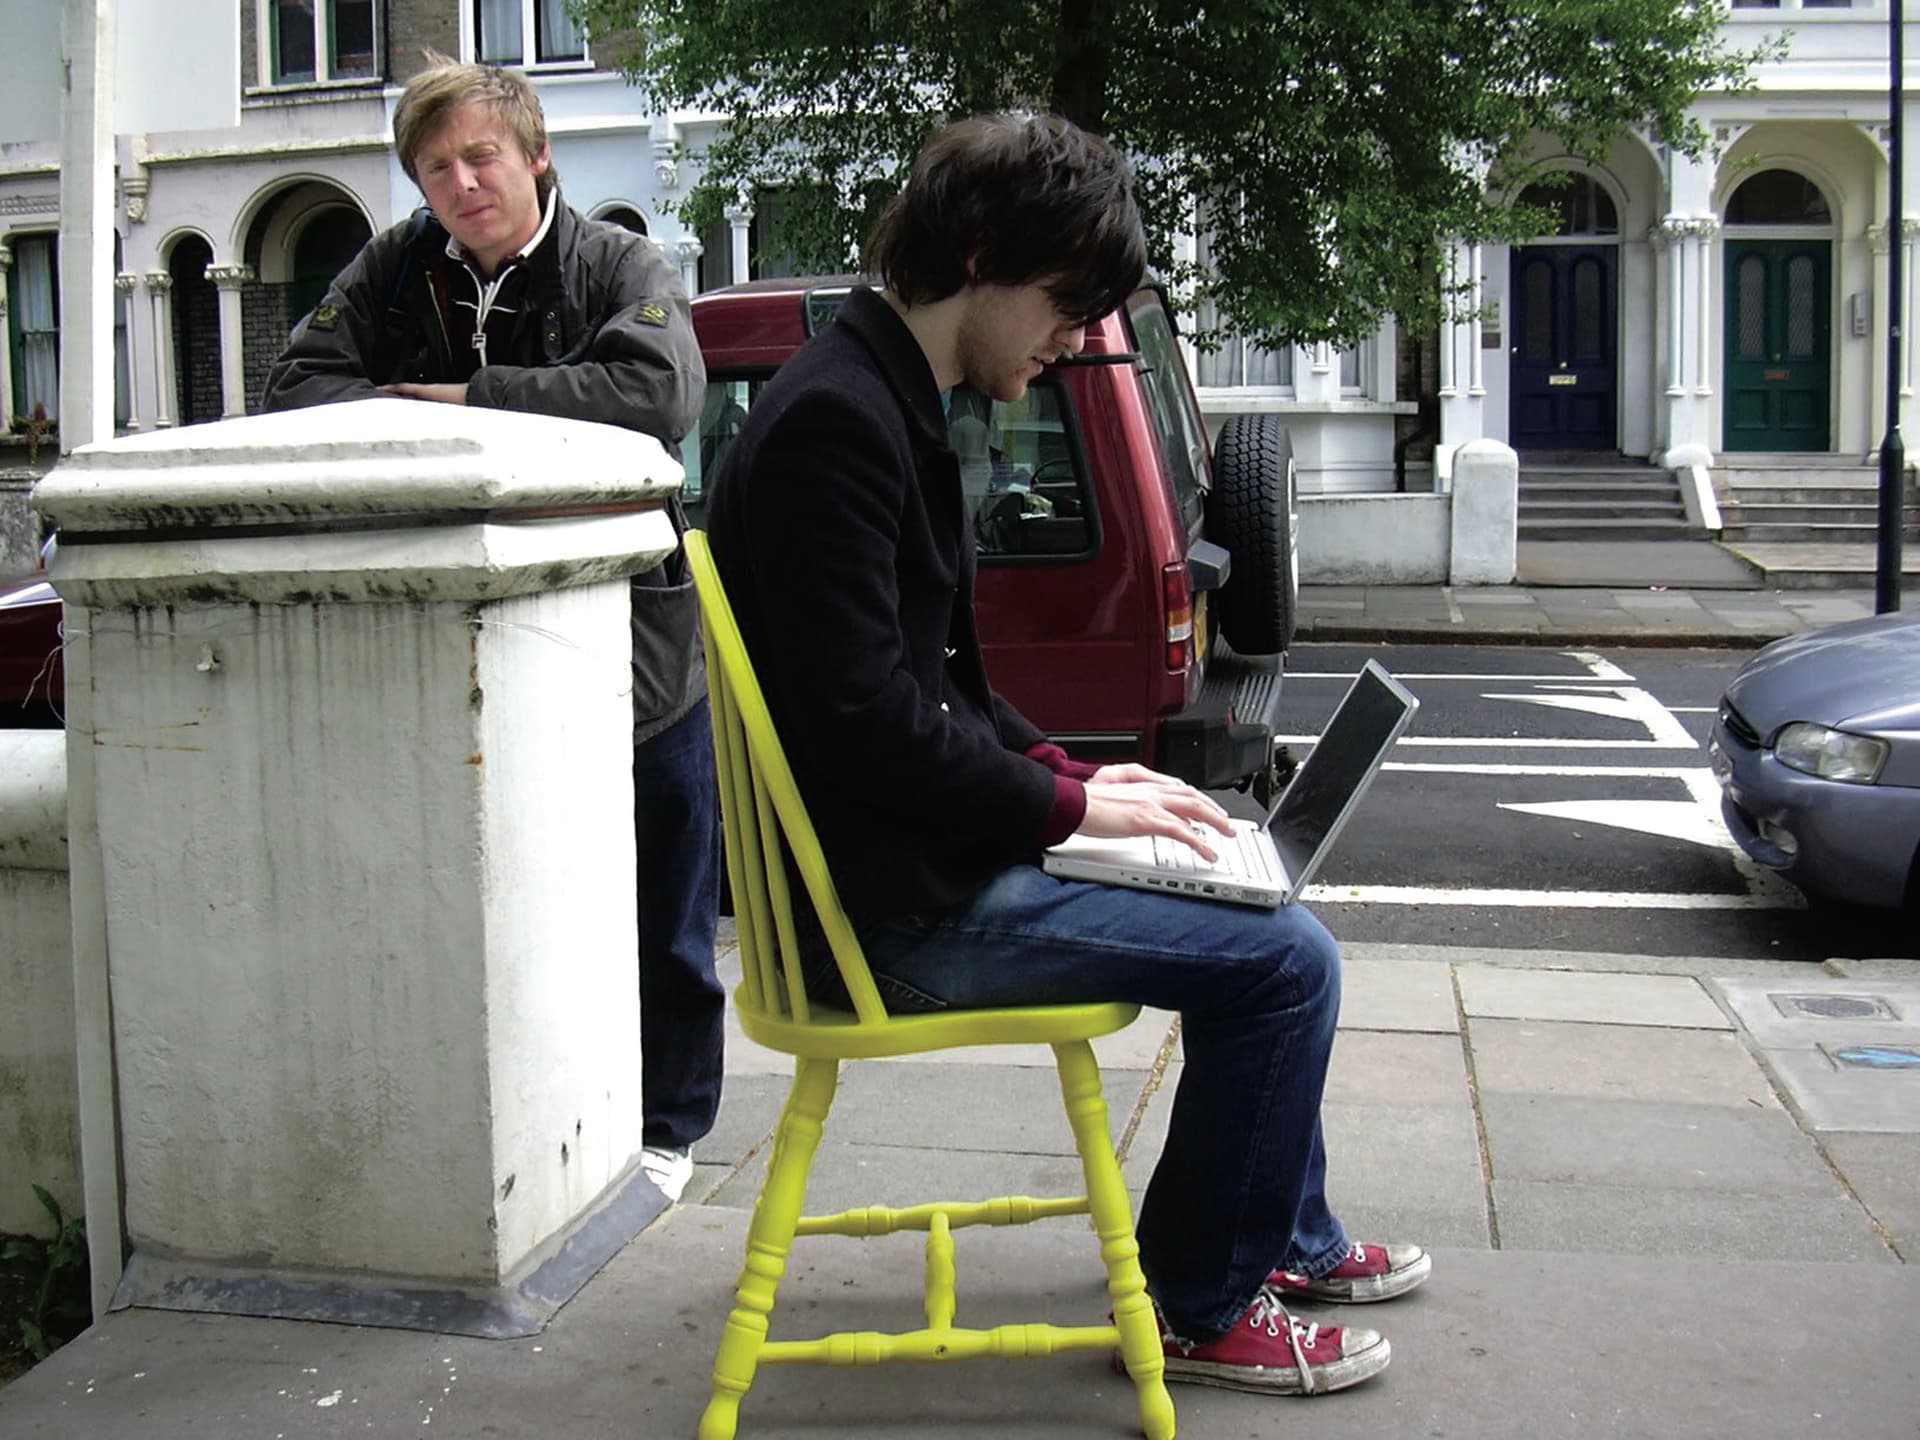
[760, 806]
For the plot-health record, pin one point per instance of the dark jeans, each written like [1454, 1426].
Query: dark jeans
[1239, 1189]
[682, 1004]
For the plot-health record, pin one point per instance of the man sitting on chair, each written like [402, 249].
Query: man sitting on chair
[837, 525]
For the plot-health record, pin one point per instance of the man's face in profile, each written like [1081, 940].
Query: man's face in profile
[480, 183]
[1008, 334]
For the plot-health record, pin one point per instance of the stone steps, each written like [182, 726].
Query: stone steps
[1810, 521]
[1574, 496]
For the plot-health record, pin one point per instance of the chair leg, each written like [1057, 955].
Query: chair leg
[1113, 1222]
[769, 1237]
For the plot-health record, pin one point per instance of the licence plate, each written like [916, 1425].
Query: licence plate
[1200, 628]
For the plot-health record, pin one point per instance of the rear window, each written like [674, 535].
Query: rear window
[1176, 415]
[1021, 472]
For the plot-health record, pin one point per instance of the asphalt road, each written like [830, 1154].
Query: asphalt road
[1548, 799]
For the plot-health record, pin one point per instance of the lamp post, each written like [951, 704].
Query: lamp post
[1893, 455]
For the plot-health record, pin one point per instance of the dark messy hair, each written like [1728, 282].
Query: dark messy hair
[1022, 199]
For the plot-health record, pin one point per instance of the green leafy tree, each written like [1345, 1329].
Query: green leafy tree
[1327, 145]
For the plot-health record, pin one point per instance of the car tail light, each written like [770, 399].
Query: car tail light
[1177, 601]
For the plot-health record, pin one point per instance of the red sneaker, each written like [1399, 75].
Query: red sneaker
[1270, 1352]
[1369, 1273]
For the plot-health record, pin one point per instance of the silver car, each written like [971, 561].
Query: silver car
[1817, 749]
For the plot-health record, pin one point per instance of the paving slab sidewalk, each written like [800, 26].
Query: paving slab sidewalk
[1639, 1230]
[1538, 614]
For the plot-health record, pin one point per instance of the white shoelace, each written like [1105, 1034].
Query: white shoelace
[1268, 1311]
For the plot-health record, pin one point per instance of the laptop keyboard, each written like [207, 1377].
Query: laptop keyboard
[1241, 854]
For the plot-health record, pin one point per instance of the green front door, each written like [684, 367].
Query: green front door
[1779, 362]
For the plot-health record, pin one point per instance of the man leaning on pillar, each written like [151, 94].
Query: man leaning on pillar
[497, 293]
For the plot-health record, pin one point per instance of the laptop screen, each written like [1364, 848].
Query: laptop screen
[1315, 803]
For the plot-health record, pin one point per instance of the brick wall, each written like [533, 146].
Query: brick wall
[417, 25]
[264, 326]
[196, 335]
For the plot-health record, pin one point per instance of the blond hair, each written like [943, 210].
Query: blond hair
[435, 93]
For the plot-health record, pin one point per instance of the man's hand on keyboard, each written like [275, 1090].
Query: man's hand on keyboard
[1130, 799]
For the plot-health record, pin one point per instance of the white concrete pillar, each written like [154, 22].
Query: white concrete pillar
[39, 1114]
[6, 347]
[126, 282]
[690, 250]
[229, 280]
[1449, 327]
[86, 224]
[740, 221]
[165, 383]
[360, 735]
[1485, 520]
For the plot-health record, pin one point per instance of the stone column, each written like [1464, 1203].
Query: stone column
[229, 279]
[6, 347]
[1688, 318]
[1668, 238]
[740, 218]
[1703, 231]
[125, 282]
[358, 738]
[690, 250]
[1476, 379]
[160, 310]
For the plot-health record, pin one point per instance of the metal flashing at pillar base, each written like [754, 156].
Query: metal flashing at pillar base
[520, 1306]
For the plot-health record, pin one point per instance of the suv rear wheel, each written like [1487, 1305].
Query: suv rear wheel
[1253, 512]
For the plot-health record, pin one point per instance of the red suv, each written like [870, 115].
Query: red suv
[1135, 593]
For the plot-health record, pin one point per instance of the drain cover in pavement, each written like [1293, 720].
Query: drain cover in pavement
[1877, 1057]
[1833, 1007]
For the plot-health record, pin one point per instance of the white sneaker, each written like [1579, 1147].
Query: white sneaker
[670, 1170]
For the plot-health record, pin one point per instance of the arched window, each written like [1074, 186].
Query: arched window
[1778, 197]
[1581, 203]
[626, 217]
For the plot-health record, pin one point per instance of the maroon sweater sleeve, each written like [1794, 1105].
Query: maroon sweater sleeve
[1069, 793]
[1058, 761]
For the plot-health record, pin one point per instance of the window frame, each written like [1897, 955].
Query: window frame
[325, 27]
[18, 405]
[529, 31]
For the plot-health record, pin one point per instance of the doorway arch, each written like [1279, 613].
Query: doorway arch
[1564, 294]
[1778, 356]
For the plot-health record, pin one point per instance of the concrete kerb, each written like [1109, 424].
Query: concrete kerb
[1414, 633]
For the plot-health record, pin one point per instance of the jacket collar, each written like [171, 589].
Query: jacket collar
[542, 257]
[902, 361]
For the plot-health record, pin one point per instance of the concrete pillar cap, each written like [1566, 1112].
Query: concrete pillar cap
[378, 499]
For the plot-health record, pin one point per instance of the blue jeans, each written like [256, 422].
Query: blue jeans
[1239, 1190]
[676, 834]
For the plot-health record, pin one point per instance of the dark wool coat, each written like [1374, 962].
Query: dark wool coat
[839, 527]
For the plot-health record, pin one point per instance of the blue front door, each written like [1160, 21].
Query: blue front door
[1565, 300]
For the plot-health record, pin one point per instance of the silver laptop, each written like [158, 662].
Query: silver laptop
[1264, 862]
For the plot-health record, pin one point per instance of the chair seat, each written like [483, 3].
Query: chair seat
[839, 1034]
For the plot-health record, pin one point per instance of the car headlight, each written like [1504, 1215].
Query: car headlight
[1830, 754]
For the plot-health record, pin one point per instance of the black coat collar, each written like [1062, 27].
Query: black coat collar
[903, 363]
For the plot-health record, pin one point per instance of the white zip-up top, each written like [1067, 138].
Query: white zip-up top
[486, 292]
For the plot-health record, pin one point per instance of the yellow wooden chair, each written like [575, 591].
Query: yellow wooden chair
[761, 805]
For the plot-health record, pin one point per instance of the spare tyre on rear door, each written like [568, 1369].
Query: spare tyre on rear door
[1253, 511]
